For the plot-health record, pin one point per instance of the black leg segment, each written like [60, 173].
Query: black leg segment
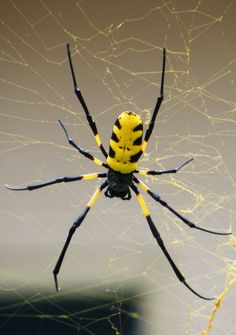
[78, 93]
[73, 228]
[160, 242]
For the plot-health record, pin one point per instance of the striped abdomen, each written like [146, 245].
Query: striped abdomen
[126, 143]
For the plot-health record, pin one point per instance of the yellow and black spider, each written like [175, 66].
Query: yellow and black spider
[126, 147]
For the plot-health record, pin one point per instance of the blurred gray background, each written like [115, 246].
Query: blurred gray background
[117, 55]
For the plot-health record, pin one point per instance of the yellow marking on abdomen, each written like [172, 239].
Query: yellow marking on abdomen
[125, 143]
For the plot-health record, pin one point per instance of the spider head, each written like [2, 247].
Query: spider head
[118, 184]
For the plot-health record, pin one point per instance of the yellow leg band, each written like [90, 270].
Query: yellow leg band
[98, 140]
[143, 205]
[143, 186]
[90, 176]
[144, 145]
[94, 198]
[142, 172]
[97, 161]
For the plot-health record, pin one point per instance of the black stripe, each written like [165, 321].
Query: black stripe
[111, 152]
[138, 141]
[135, 158]
[117, 124]
[138, 127]
[114, 137]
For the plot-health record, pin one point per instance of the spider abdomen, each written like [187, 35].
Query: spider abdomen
[126, 143]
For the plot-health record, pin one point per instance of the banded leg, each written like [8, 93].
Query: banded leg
[78, 93]
[73, 228]
[156, 197]
[160, 242]
[151, 172]
[57, 181]
[81, 150]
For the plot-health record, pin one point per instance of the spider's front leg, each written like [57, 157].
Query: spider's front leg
[78, 93]
[158, 104]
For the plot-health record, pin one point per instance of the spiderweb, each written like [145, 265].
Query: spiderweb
[113, 266]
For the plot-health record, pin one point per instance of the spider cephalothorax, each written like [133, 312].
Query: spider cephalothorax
[118, 184]
[126, 147]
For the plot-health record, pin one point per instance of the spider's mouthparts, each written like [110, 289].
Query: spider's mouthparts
[112, 193]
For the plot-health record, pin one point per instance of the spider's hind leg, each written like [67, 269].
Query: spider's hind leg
[156, 197]
[160, 242]
[73, 228]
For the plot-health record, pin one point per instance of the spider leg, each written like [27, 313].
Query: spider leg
[57, 181]
[174, 170]
[160, 242]
[78, 93]
[73, 228]
[158, 105]
[81, 150]
[156, 197]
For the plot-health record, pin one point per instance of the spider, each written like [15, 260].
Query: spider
[126, 148]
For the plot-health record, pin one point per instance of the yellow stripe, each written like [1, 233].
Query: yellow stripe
[143, 186]
[94, 198]
[120, 166]
[123, 151]
[143, 205]
[90, 176]
[98, 140]
[142, 172]
[144, 145]
[97, 161]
